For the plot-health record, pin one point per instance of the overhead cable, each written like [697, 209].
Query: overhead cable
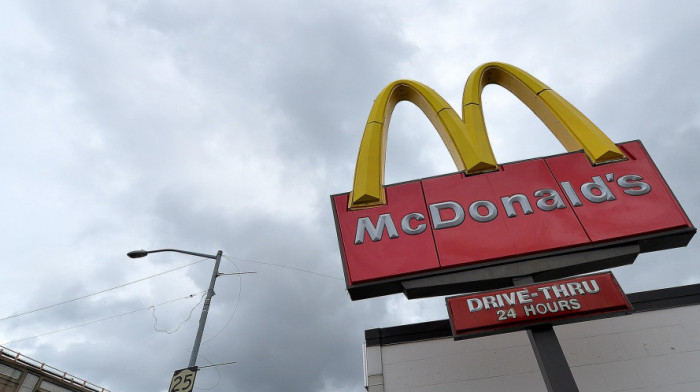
[217, 372]
[235, 308]
[98, 292]
[155, 319]
[283, 266]
[100, 320]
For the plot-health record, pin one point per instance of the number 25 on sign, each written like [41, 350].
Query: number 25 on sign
[183, 380]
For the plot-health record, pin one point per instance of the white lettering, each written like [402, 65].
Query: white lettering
[569, 190]
[384, 221]
[575, 305]
[545, 291]
[474, 304]
[509, 298]
[491, 211]
[551, 307]
[560, 291]
[499, 299]
[406, 224]
[521, 199]
[575, 288]
[449, 213]
[632, 186]
[438, 222]
[550, 202]
[529, 310]
[591, 290]
[599, 185]
[489, 301]
[524, 296]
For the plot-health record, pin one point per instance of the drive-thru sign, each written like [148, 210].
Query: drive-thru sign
[597, 196]
[556, 302]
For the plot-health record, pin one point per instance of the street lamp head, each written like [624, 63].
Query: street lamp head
[135, 254]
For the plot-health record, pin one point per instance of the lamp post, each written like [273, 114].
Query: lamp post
[210, 292]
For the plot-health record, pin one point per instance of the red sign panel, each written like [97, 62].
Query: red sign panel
[500, 311]
[555, 204]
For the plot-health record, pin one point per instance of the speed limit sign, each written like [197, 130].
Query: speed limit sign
[183, 380]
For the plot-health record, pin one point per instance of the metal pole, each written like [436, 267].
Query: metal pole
[205, 311]
[550, 357]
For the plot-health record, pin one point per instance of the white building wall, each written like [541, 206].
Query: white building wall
[642, 352]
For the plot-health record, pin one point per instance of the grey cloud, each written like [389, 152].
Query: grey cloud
[226, 126]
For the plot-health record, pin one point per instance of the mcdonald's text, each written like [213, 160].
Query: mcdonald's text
[506, 310]
[450, 213]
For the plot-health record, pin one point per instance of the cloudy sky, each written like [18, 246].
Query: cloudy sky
[227, 124]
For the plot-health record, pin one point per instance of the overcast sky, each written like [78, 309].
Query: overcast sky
[226, 125]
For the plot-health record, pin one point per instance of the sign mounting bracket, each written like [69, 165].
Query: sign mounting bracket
[503, 275]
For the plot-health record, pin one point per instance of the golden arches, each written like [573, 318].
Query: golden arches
[466, 137]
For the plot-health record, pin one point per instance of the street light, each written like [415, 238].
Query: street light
[210, 292]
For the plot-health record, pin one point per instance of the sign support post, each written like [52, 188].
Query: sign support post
[550, 357]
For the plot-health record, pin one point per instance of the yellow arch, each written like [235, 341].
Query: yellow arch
[466, 138]
[468, 154]
[574, 130]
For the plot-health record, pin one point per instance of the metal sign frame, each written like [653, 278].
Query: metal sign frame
[409, 215]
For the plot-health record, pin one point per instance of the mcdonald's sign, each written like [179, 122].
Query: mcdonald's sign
[602, 202]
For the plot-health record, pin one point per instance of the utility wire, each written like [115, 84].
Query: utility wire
[99, 292]
[283, 266]
[100, 320]
[217, 372]
[240, 287]
[235, 308]
[217, 364]
[155, 319]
